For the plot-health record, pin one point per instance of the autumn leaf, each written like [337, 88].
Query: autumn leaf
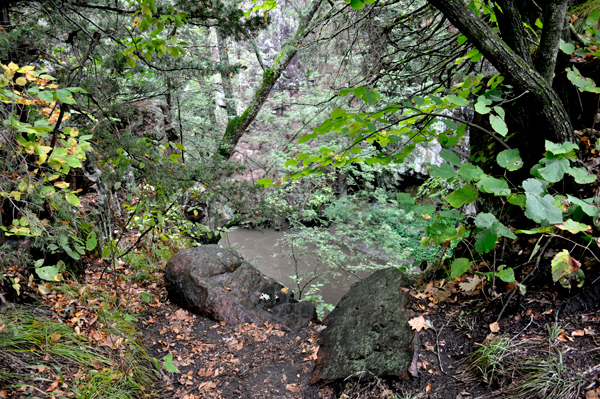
[418, 323]
[494, 327]
[471, 285]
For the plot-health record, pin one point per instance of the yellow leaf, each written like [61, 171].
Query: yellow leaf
[12, 66]
[61, 184]
[284, 290]
[26, 68]
[21, 81]
[54, 177]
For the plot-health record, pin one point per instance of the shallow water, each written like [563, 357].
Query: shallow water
[258, 248]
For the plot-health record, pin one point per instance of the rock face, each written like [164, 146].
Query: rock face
[217, 283]
[367, 333]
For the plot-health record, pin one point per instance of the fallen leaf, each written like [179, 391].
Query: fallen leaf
[429, 347]
[442, 295]
[417, 323]
[181, 314]
[284, 290]
[428, 387]
[471, 285]
[593, 394]
[564, 337]
[292, 387]
[578, 333]
[55, 337]
[494, 327]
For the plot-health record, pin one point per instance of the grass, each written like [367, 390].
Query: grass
[547, 378]
[488, 361]
[40, 356]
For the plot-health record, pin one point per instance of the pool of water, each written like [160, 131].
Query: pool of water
[258, 248]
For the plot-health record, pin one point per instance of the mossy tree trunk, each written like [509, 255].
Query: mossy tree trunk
[238, 125]
[547, 118]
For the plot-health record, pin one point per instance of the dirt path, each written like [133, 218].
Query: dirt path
[216, 360]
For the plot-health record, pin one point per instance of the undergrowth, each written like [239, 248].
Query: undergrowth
[37, 352]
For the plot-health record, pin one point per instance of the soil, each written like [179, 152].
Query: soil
[265, 361]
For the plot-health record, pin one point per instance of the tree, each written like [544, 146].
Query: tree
[541, 111]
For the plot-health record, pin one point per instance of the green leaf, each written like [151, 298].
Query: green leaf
[492, 185]
[533, 186]
[168, 364]
[592, 19]
[48, 273]
[72, 199]
[582, 176]
[540, 209]
[588, 209]
[471, 172]
[557, 149]
[573, 227]
[485, 220]
[356, 4]
[457, 100]
[517, 199]
[444, 171]
[46, 96]
[498, 125]
[265, 182]
[510, 159]
[291, 162]
[506, 275]
[459, 267]
[307, 137]
[462, 196]
[64, 95]
[450, 156]
[555, 168]
[568, 48]
[91, 242]
[485, 241]
[482, 108]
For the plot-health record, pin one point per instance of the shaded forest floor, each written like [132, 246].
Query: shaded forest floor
[250, 361]
[537, 344]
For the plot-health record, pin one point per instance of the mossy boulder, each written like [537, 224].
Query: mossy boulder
[367, 333]
[217, 283]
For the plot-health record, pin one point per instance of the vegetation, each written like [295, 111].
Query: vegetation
[423, 135]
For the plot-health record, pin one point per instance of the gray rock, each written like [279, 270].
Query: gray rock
[217, 283]
[367, 333]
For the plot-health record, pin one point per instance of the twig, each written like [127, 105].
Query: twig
[437, 344]
[523, 330]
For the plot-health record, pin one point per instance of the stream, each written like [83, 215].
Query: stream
[258, 248]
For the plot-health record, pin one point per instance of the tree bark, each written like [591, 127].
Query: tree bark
[555, 16]
[553, 120]
[512, 29]
[237, 127]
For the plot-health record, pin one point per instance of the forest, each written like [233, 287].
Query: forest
[450, 141]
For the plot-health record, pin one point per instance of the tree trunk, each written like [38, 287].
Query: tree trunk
[237, 127]
[555, 17]
[552, 120]
[225, 76]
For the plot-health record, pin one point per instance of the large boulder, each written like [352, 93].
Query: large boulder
[217, 283]
[367, 333]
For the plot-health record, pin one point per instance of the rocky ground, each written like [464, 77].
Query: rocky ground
[534, 338]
